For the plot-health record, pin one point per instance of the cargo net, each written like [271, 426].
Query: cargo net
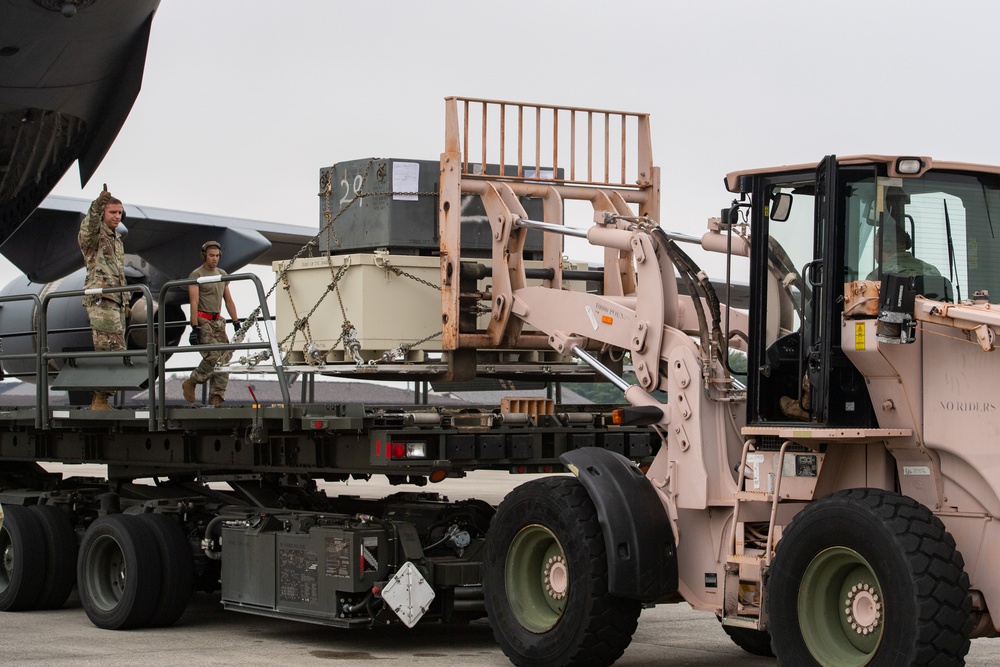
[299, 345]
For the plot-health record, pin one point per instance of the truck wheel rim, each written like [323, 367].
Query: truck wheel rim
[536, 577]
[106, 573]
[841, 608]
[7, 551]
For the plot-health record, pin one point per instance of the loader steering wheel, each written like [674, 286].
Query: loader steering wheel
[783, 350]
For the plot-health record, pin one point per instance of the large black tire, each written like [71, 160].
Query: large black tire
[118, 573]
[757, 642]
[177, 575]
[60, 556]
[545, 580]
[22, 547]
[868, 577]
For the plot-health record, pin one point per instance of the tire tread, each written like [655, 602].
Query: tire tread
[609, 621]
[937, 572]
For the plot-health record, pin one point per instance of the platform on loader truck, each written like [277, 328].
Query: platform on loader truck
[328, 441]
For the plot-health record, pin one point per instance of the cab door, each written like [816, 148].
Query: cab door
[783, 248]
[818, 330]
[839, 394]
[797, 278]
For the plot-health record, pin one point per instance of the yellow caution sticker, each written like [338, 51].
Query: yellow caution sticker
[859, 335]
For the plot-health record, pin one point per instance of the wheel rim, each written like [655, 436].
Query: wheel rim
[841, 608]
[536, 576]
[106, 573]
[7, 550]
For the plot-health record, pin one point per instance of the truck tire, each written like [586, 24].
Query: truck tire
[118, 573]
[177, 575]
[22, 547]
[545, 579]
[755, 642]
[60, 556]
[868, 577]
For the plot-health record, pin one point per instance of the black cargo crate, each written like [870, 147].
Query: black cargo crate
[405, 223]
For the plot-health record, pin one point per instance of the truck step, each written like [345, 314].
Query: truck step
[749, 622]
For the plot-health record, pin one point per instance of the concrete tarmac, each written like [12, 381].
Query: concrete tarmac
[668, 635]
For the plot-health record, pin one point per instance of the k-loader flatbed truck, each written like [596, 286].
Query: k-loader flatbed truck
[835, 506]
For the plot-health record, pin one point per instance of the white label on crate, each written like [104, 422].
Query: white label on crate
[405, 178]
[916, 470]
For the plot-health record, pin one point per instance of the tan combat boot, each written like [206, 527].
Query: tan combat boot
[215, 400]
[790, 408]
[188, 389]
[100, 401]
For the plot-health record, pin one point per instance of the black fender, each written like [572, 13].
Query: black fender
[642, 554]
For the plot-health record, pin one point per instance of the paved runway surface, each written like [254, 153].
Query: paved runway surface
[668, 636]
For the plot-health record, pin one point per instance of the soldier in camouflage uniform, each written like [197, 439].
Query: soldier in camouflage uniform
[207, 324]
[104, 255]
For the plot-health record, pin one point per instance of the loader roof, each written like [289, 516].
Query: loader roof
[891, 161]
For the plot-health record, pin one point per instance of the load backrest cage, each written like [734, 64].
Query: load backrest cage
[501, 151]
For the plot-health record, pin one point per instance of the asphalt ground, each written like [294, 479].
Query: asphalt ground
[668, 635]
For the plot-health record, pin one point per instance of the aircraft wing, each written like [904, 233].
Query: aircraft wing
[45, 246]
[66, 87]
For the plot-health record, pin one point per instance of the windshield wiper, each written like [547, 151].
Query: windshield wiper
[952, 265]
[986, 202]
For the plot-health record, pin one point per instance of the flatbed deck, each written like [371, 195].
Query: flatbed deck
[321, 440]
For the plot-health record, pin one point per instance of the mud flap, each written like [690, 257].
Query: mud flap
[642, 556]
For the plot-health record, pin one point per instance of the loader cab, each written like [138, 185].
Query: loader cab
[797, 282]
[853, 219]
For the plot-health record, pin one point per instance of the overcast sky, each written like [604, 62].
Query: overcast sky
[243, 101]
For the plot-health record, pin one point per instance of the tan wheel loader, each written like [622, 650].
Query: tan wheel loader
[832, 504]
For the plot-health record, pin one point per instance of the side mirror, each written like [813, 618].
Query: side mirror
[781, 206]
[731, 215]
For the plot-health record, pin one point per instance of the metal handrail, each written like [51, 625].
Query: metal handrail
[42, 384]
[271, 343]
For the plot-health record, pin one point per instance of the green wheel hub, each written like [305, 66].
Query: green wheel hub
[536, 577]
[841, 608]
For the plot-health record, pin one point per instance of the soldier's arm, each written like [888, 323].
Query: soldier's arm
[230, 304]
[95, 216]
[193, 298]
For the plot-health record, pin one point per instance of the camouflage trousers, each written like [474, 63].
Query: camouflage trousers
[107, 325]
[213, 332]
